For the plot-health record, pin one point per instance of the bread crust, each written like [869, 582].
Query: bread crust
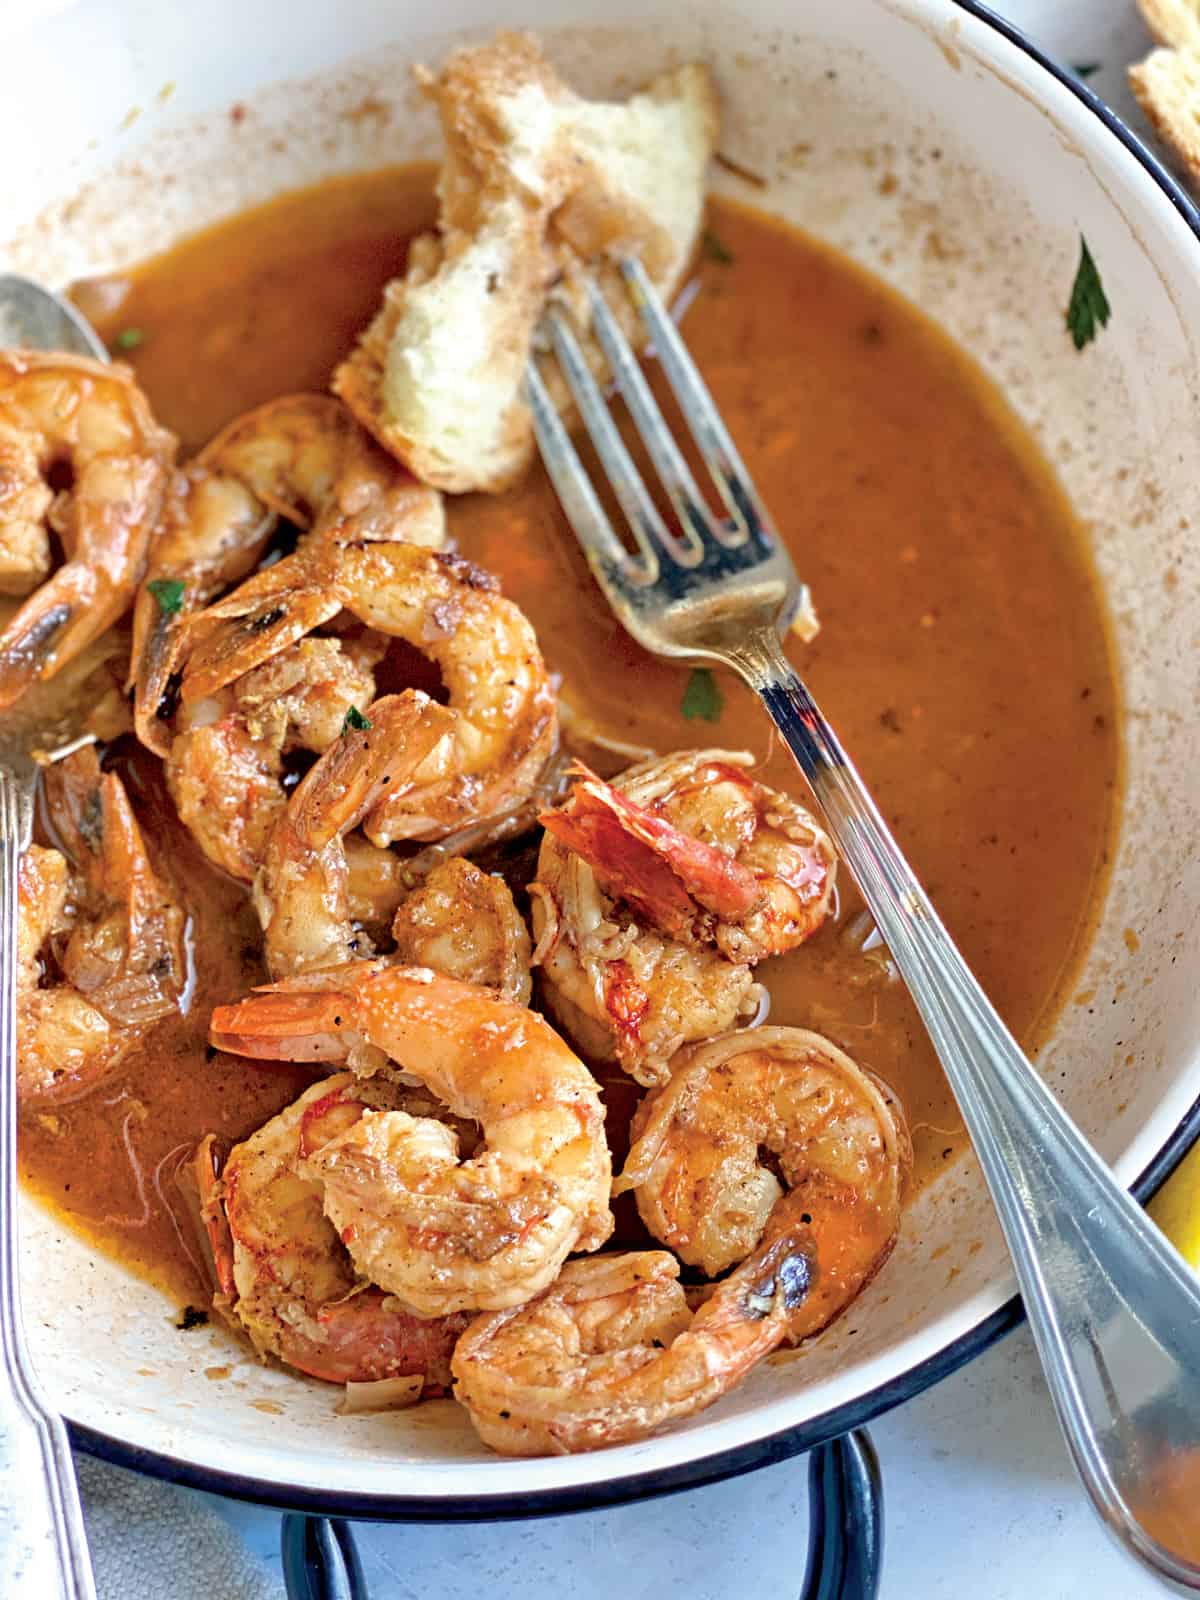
[1167, 83]
[1173, 23]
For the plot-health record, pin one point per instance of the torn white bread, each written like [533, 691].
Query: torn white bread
[538, 186]
[1167, 82]
[1167, 86]
[1174, 23]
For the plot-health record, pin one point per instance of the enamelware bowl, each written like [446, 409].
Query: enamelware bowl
[165, 118]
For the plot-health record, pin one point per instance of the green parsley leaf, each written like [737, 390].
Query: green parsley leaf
[1089, 305]
[354, 719]
[169, 594]
[714, 248]
[1086, 69]
[130, 338]
[702, 698]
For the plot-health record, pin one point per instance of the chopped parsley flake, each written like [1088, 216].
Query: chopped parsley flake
[354, 719]
[702, 698]
[168, 592]
[1088, 310]
[130, 338]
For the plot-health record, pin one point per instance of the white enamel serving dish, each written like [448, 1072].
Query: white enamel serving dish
[120, 110]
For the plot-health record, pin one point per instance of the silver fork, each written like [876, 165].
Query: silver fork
[43, 1541]
[1115, 1311]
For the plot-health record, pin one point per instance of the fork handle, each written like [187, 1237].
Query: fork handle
[43, 1544]
[1114, 1309]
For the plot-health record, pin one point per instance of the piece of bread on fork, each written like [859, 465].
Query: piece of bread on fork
[538, 186]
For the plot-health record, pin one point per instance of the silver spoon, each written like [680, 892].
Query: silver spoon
[43, 1542]
[31, 318]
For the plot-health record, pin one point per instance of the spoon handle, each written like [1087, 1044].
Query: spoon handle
[1115, 1311]
[43, 1543]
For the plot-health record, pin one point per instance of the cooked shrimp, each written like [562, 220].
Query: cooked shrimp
[498, 687]
[64, 1044]
[697, 847]
[302, 892]
[62, 411]
[519, 824]
[459, 920]
[283, 1273]
[655, 894]
[463, 923]
[376, 880]
[302, 457]
[441, 1234]
[622, 992]
[226, 766]
[831, 1132]
[611, 1352]
[499, 690]
[500, 698]
[100, 951]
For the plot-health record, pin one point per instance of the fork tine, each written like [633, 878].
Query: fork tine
[606, 554]
[697, 521]
[718, 450]
[645, 523]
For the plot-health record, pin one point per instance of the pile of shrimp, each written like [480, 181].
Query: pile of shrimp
[433, 1211]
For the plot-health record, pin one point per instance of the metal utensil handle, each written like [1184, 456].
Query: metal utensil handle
[43, 1543]
[1115, 1311]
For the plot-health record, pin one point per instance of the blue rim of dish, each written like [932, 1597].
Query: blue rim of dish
[774, 1447]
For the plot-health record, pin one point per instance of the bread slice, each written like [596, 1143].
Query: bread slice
[1167, 86]
[1174, 23]
[537, 186]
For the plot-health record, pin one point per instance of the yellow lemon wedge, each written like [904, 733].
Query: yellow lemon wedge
[1176, 1207]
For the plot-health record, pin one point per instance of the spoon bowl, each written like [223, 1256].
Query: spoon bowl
[33, 318]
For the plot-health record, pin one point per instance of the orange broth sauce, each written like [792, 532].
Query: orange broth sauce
[963, 654]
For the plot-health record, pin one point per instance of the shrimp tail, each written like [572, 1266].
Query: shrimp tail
[284, 1024]
[157, 638]
[212, 532]
[778, 1279]
[368, 764]
[232, 637]
[659, 870]
[37, 637]
[206, 1170]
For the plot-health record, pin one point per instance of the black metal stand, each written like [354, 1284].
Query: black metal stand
[845, 1538]
[320, 1560]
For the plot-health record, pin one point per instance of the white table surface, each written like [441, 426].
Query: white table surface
[981, 1500]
